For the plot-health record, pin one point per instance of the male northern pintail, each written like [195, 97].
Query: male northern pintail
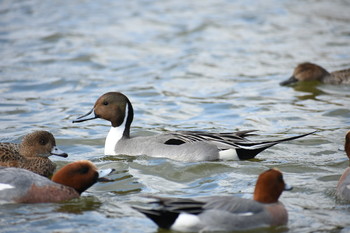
[343, 187]
[32, 153]
[22, 186]
[179, 145]
[223, 213]
[311, 72]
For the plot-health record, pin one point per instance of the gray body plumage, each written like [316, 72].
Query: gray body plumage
[179, 145]
[195, 145]
[21, 180]
[215, 213]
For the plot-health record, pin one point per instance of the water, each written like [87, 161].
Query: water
[185, 65]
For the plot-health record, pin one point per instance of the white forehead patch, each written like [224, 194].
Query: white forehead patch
[5, 186]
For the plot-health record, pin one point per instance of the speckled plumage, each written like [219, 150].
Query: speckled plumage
[32, 154]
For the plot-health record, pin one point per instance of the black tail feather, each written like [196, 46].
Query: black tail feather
[245, 154]
[163, 218]
[248, 150]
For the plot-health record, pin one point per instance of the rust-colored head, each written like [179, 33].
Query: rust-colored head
[270, 186]
[307, 72]
[79, 175]
[40, 144]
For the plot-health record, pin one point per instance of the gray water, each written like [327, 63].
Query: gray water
[185, 65]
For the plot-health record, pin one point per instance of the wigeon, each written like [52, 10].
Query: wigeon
[32, 153]
[223, 213]
[22, 186]
[343, 187]
[178, 145]
[311, 72]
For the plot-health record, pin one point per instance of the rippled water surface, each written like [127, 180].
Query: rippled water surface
[208, 65]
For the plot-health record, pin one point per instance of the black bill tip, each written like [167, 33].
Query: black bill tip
[85, 117]
[289, 81]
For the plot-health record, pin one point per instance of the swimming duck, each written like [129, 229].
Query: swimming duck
[343, 187]
[311, 72]
[116, 108]
[32, 153]
[22, 186]
[223, 213]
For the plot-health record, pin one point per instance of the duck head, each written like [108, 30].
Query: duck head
[40, 144]
[306, 72]
[269, 186]
[113, 107]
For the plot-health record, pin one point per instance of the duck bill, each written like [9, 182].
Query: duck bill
[86, 117]
[103, 173]
[289, 81]
[56, 151]
[287, 187]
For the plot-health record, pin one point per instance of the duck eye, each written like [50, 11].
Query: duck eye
[42, 141]
[280, 178]
[105, 103]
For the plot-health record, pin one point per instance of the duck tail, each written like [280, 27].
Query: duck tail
[161, 217]
[248, 150]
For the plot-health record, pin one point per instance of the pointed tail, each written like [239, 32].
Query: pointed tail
[164, 219]
[248, 150]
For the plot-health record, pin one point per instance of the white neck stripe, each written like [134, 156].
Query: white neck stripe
[115, 134]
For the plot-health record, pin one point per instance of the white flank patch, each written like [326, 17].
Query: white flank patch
[229, 154]
[246, 214]
[348, 186]
[5, 186]
[186, 222]
[114, 135]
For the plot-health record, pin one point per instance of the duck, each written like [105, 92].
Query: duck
[223, 213]
[19, 185]
[190, 146]
[308, 71]
[32, 153]
[343, 186]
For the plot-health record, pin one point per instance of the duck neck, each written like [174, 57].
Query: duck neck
[327, 78]
[264, 193]
[117, 133]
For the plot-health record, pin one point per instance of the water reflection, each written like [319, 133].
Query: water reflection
[308, 87]
[211, 65]
[79, 205]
